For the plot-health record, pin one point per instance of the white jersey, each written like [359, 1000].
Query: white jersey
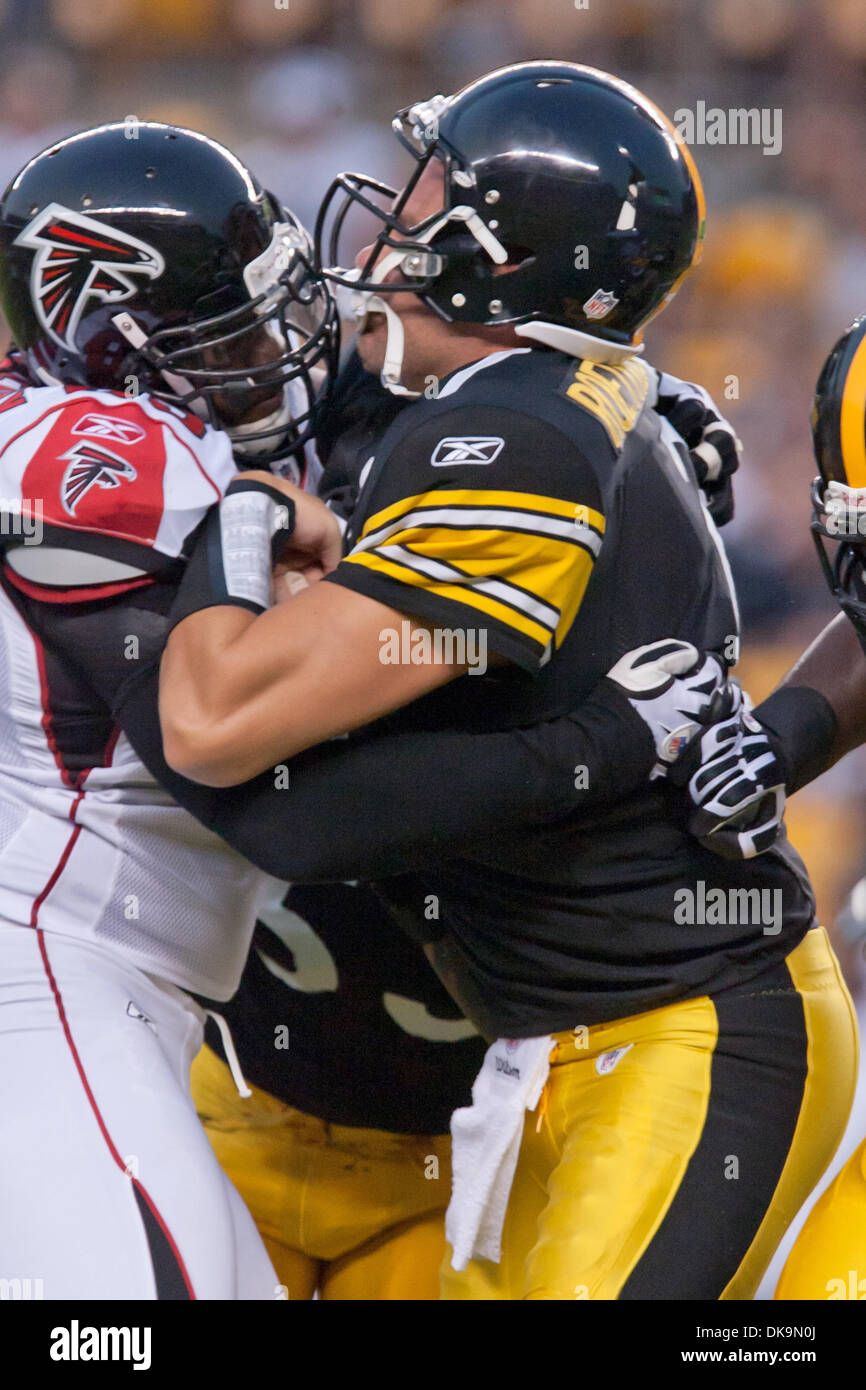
[90, 846]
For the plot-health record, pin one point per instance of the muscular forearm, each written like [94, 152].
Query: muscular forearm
[835, 666]
[239, 694]
[818, 712]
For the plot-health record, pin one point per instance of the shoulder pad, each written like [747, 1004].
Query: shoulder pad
[128, 477]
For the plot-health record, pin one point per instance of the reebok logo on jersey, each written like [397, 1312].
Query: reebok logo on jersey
[91, 465]
[76, 259]
[110, 427]
[608, 1060]
[469, 448]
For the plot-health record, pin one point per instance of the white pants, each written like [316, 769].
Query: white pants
[109, 1188]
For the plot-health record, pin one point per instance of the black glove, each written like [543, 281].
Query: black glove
[713, 446]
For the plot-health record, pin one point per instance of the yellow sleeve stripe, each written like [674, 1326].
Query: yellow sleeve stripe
[472, 598]
[542, 567]
[526, 579]
[440, 498]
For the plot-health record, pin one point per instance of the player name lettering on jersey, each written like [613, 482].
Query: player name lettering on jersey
[615, 395]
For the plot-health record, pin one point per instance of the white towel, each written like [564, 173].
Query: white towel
[486, 1139]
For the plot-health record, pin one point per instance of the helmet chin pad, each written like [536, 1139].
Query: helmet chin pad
[260, 437]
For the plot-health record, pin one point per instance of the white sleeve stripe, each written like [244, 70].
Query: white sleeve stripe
[487, 519]
[511, 594]
[440, 569]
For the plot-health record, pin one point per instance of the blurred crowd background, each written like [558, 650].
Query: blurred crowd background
[304, 88]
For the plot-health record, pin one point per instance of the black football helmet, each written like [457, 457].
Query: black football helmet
[142, 257]
[839, 492]
[571, 208]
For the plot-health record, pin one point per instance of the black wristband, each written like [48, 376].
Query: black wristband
[803, 724]
[235, 550]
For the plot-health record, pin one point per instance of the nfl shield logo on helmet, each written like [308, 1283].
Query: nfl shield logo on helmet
[599, 305]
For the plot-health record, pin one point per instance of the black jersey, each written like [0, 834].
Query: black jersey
[542, 505]
[339, 1014]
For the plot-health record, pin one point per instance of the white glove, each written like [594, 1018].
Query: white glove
[674, 689]
[735, 784]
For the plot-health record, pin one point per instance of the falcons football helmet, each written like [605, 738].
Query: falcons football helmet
[140, 257]
[571, 209]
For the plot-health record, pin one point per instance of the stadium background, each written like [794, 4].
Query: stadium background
[303, 88]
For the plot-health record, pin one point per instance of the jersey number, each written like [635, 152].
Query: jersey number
[315, 972]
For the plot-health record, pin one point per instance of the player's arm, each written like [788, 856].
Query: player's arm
[739, 771]
[818, 711]
[735, 773]
[383, 805]
[503, 551]
[389, 803]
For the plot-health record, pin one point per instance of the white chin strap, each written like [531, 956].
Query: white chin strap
[392, 367]
[360, 303]
[357, 304]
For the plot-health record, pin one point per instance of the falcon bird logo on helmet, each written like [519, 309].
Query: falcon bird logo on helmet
[76, 258]
[571, 209]
[91, 466]
[839, 493]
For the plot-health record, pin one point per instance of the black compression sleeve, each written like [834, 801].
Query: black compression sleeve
[359, 808]
[382, 806]
[804, 726]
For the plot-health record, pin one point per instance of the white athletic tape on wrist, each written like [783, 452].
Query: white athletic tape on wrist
[248, 521]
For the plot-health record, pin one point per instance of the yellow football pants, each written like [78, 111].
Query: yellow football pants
[673, 1148]
[828, 1260]
[354, 1213]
